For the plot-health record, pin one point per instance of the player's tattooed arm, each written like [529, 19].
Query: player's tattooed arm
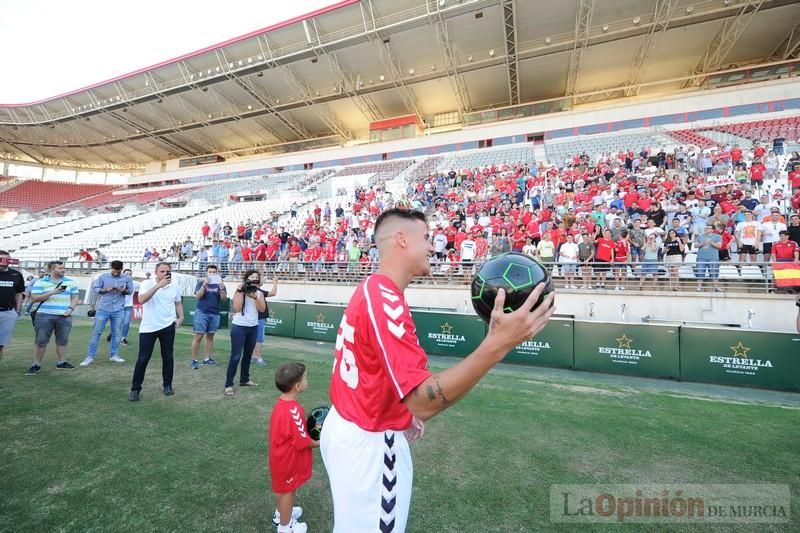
[439, 393]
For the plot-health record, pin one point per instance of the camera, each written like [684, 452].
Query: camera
[251, 286]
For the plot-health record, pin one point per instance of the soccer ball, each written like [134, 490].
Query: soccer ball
[315, 420]
[515, 273]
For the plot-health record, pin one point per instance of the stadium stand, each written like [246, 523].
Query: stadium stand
[35, 195]
[560, 151]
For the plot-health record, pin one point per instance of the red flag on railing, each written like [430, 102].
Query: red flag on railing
[786, 274]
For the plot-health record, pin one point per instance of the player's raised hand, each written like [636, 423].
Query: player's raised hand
[511, 329]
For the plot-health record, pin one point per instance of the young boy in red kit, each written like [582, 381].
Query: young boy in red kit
[289, 447]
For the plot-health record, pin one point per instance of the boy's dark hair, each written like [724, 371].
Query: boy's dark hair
[407, 214]
[288, 375]
[117, 265]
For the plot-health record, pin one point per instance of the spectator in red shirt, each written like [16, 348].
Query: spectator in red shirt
[621, 252]
[785, 250]
[603, 256]
[794, 176]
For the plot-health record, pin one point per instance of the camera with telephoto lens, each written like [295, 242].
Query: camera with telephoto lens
[251, 286]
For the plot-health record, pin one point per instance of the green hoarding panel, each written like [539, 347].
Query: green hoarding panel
[189, 303]
[553, 346]
[448, 333]
[281, 319]
[224, 309]
[741, 357]
[640, 350]
[317, 322]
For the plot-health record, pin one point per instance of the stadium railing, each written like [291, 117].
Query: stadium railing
[756, 277]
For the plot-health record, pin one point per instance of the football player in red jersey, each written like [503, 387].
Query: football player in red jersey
[381, 388]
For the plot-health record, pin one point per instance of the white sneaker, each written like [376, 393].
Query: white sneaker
[293, 527]
[116, 359]
[297, 512]
[88, 361]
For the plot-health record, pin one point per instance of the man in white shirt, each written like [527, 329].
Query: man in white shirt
[162, 315]
[770, 230]
[467, 252]
[439, 243]
[568, 257]
[748, 237]
[763, 209]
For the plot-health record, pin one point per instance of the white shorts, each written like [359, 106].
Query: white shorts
[370, 475]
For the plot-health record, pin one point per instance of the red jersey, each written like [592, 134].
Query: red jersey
[260, 252]
[757, 171]
[378, 359]
[312, 254]
[205, 230]
[604, 248]
[784, 250]
[794, 179]
[290, 456]
[294, 251]
[621, 252]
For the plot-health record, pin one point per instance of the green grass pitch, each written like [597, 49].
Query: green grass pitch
[77, 456]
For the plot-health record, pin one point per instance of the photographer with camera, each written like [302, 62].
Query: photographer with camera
[12, 291]
[57, 296]
[247, 303]
[162, 315]
[111, 289]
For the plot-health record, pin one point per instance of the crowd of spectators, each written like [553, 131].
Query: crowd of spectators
[623, 218]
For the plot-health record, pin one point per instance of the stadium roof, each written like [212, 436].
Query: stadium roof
[322, 78]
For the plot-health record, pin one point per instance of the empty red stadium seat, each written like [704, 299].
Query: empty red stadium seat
[41, 195]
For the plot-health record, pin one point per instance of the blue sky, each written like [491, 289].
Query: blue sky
[50, 47]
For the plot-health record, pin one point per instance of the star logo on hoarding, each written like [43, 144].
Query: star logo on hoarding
[740, 350]
[624, 341]
[321, 318]
[446, 328]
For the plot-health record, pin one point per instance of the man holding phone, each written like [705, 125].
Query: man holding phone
[57, 296]
[111, 289]
[210, 293]
[162, 314]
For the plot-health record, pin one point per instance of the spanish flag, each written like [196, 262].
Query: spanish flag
[786, 274]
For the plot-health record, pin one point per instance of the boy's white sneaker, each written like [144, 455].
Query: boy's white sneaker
[293, 527]
[297, 512]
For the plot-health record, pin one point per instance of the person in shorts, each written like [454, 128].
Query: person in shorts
[290, 459]
[56, 297]
[381, 389]
[262, 324]
[707, 263]
[210, 293]
[568, 258]
[603, 257]
[585, 257]
[12, 292]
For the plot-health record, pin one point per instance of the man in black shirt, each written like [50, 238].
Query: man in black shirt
[794, 228]
[12, 290]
